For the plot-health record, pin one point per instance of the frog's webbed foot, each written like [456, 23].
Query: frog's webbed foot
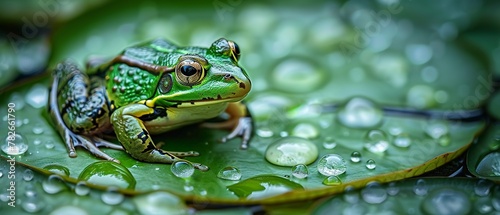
[239, 121]
[243, 129]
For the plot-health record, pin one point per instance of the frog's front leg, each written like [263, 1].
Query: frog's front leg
[136, 140]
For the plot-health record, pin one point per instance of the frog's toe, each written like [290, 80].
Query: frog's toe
[243, 129]
[92, 148]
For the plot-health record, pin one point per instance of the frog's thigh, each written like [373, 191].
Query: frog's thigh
[136, 139]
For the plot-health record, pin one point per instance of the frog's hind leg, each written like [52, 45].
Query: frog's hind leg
[136, 139]
[77, 114]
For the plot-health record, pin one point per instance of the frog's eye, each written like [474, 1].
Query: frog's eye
[189, 72]
[235, 50]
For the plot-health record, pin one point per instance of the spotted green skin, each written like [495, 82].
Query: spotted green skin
[139, 93]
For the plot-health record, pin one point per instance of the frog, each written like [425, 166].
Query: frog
[150, 88]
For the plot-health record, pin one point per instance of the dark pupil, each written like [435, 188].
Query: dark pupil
[188, 70]
[236, 49]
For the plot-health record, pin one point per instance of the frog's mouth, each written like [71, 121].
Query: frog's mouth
[207, 101]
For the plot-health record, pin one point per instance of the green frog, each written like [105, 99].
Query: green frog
[148, 89]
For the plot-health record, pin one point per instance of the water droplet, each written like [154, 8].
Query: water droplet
[263, 186]
[290, 151]
[332, 165]
[49, 144]
[182, 169]
[26, 121]
[373, 193]
[429, 74]
[436, 129]
[360, 112]
[229, 173]
[444, 140]
[297, 76]
[32, 205]
[483, 205]
[355, 157]
[418, 53]
[489, 165]
[305, 130]
[392, 189]
[446, 201]
[69, 209]
[108, 173]
[264, 131]
[112, 197]
[376, 141]
[18, 100]
[30, 191]
[37, 96]
[370, 164]
[329, 142]
[160, 202]
[57, 169]
[351, 195]
[1, 173]
[420, 187]
[332, 181]
[402, 140]
[300, 171]
[37, 129]
[54, 184]
[37, 141]
[482, 187]
[188, 187]
[395, 130]
[81, 188]
[14, 145]
[420, 96]
[28, 175]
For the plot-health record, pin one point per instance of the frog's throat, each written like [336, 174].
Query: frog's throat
[184, 104]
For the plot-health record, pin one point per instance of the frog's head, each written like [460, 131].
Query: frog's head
[204, 76]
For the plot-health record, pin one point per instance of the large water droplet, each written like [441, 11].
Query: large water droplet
[305, 130]
[57, 169]
[17, 100]
[290, 151]
[332, 164]
[160, 202]
[32, 204]
[81, 188]
[300, 171]
[446, 201]
[420, 187]
[402, 140]
[355, 157]
[483, 205]
[482, 187]
[37, 96]
[112, 197]
[53, 184]
[373, 193]
[360, 112]
[69, 209]
[182, 169]
[332, 180]
[376, 141]
[263, 186]
[489, 165]
[108, 173]
[371, 164]
[229, 173]
[420, 96]
[14, 145]
[329, 142]
[436, 129]
[28, 175]
[297, 76]
[351, 195]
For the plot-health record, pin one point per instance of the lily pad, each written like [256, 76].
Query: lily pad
[483, 159]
